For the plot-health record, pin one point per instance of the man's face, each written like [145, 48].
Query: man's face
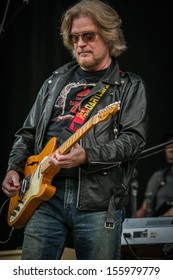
[92, 54]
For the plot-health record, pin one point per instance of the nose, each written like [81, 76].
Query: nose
[81, 42]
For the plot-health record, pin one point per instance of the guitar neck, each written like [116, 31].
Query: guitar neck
[74, 138]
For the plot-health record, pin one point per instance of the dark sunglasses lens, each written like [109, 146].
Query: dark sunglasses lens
[73, 38]
[89, 36]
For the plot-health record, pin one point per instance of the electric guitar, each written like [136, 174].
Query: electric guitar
[38, 172]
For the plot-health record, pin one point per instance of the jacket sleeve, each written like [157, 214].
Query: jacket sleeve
[24, 142]
[132, 129]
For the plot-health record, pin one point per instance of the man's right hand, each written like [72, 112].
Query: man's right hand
[11, 183]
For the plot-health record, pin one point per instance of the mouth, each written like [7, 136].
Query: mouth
[83, 53]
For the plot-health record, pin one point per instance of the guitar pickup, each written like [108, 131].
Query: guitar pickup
[25, 185]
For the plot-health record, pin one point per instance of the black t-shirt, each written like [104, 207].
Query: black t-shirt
[66, 106]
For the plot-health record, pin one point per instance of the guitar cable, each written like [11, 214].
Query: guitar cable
[12, 229]
[128, 235]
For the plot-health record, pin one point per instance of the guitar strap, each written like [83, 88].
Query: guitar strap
[76, 123]
[81, 116]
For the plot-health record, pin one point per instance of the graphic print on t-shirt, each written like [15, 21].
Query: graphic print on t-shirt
[69, 104]
[66, 106]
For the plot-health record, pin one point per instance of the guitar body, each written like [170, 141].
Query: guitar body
[38, 188]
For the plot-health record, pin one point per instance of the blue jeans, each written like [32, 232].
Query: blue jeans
[47, 232]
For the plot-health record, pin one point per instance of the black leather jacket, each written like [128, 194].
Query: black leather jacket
[112, 146]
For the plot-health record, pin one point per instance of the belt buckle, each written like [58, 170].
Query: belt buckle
[109, 225]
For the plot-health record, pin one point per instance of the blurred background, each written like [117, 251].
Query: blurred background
[31, 48]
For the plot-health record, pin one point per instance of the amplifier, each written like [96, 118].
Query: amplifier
[150, 230]
[147, 238]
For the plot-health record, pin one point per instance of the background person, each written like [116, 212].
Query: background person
[159, 192]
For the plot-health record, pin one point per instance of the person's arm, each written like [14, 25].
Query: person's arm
[132, 129]
[141, 212]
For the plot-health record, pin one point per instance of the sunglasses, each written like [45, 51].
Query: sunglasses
[86, 37]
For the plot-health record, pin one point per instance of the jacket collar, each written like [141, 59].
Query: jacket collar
[112, 75]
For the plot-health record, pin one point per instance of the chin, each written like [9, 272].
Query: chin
[87, 65]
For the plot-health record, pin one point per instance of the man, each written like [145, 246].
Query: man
[93, 176]
[159, 192]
